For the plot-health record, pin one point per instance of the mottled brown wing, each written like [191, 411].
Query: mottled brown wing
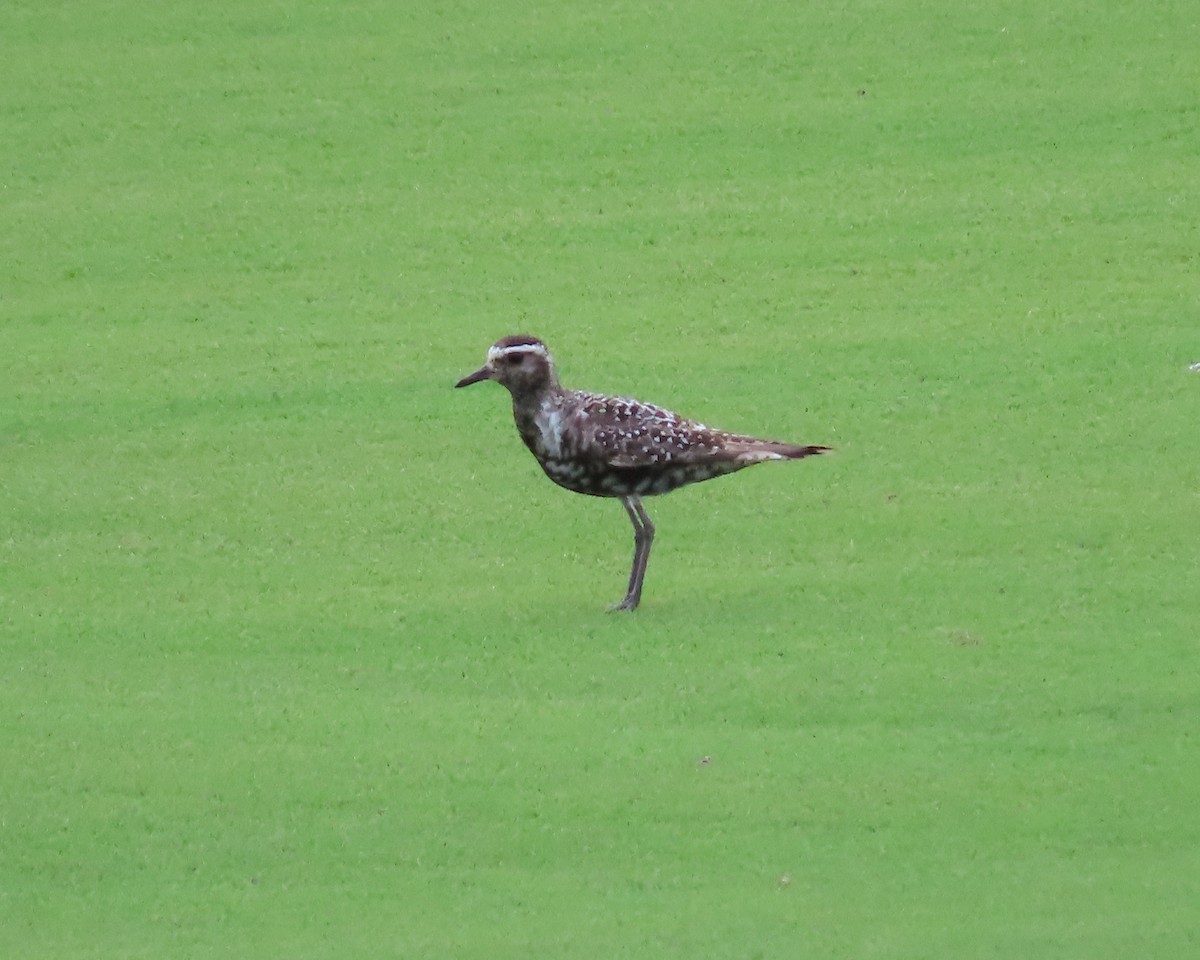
[627, 433]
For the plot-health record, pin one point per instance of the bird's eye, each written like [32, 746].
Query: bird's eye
[515, 359]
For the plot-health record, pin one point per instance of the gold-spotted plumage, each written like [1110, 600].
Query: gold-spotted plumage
[612, 446]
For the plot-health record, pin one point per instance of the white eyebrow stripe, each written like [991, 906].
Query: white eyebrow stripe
[497, 352]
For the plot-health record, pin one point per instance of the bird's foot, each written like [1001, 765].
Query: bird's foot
[629, 603]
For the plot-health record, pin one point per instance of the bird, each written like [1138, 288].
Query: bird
[611, 446]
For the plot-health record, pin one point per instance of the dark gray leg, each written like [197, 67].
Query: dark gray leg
[643, 537]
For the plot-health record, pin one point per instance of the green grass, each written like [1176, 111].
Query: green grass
[303, 657]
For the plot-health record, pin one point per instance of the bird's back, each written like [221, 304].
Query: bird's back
[615, 446]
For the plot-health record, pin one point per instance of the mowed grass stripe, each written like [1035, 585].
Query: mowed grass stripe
[304, 655]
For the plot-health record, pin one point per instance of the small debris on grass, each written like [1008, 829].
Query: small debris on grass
[1195, 367]
[785, 880]
[960, 637]
[704, 761]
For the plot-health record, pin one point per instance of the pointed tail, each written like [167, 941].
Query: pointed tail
[791, 452]
[757, 450]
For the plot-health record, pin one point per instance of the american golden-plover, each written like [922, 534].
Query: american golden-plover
[612, 446]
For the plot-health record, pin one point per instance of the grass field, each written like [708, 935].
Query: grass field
[302, 656]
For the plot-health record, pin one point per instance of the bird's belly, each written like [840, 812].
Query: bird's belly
[603, 480]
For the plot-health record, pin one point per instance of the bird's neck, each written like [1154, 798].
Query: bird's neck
[531, 396]
[535, 414]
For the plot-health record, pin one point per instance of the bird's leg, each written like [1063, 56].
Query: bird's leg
[641, 550]
[643, 537]
[647, 537]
